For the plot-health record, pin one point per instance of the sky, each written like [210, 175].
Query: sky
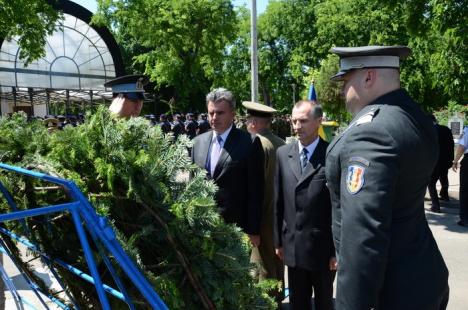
[261, 4]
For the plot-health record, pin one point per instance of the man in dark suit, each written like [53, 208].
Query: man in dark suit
[302, 228]
[444, 162]
[377, 173]
[234, 160]
[447, 146]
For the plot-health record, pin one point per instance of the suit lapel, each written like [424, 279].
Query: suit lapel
[293, 158]
[227, 149]
[204, 148]
[315, 162]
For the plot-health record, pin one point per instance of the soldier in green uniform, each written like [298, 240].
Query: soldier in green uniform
[269, 266]
[377, 172]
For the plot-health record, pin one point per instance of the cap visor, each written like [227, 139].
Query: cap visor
[339, 76]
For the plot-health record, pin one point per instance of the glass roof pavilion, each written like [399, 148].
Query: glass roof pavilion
[79, 59]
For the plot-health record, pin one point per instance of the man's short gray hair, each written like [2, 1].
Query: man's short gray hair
[316, 110]
[221, 94]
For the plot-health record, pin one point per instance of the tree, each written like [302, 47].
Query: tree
[182, 41]
[433, 29]
[275, 51]
[235, 73]
[284, 56]
[329, 92]
[32, 21]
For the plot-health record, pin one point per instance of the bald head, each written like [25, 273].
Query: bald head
[362, 86]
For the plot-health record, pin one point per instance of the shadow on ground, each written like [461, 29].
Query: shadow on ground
[448, 217]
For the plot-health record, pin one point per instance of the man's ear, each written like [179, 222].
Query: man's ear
[370, 77]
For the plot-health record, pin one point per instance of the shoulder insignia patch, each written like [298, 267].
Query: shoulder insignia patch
[355, 179]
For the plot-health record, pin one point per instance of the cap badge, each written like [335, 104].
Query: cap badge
[139, 85]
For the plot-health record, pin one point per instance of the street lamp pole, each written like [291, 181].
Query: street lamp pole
[294, 92]
[254, 57]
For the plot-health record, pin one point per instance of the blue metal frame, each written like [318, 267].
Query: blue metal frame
[101, 233]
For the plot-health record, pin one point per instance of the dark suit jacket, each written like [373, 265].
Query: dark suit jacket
[303, 209]
[238, 175]
[446, 147]
[387, 256]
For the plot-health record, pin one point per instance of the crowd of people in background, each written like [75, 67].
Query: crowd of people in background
[190, 124]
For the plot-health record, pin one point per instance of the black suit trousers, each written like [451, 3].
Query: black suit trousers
[303, 282]
[464, 189]
[432, 187]
[444, 183]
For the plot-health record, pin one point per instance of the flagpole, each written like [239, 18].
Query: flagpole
[254, 57]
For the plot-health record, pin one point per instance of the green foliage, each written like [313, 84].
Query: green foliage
[177, 43]
[165, 220]
[295, 37]
[453, 108]
[235, 73]
[32, 21]
[191, 46]
[433, 29]
[328, 92]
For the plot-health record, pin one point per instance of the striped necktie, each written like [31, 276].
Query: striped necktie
[216, 148]
[304, 159]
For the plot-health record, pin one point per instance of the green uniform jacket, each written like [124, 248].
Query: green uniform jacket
[265, 253]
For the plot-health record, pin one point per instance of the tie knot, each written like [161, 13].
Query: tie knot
[219, 139]
[305, 151]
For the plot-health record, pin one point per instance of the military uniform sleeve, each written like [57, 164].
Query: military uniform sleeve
[369, 173]
[278, 206]
[255, 186]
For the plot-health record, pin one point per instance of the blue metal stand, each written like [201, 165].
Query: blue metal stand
[85, 219]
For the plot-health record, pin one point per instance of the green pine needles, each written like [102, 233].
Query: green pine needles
[159, 204]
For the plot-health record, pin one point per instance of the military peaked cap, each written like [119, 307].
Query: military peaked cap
[352, 58]
[258, 109]
[130, 85]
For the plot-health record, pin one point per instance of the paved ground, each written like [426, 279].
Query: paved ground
[453, 243]
[451, 238]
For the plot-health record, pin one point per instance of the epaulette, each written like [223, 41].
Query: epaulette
[368, 117]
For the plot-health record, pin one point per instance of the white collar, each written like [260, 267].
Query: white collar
[310, 148]
[224, 135]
